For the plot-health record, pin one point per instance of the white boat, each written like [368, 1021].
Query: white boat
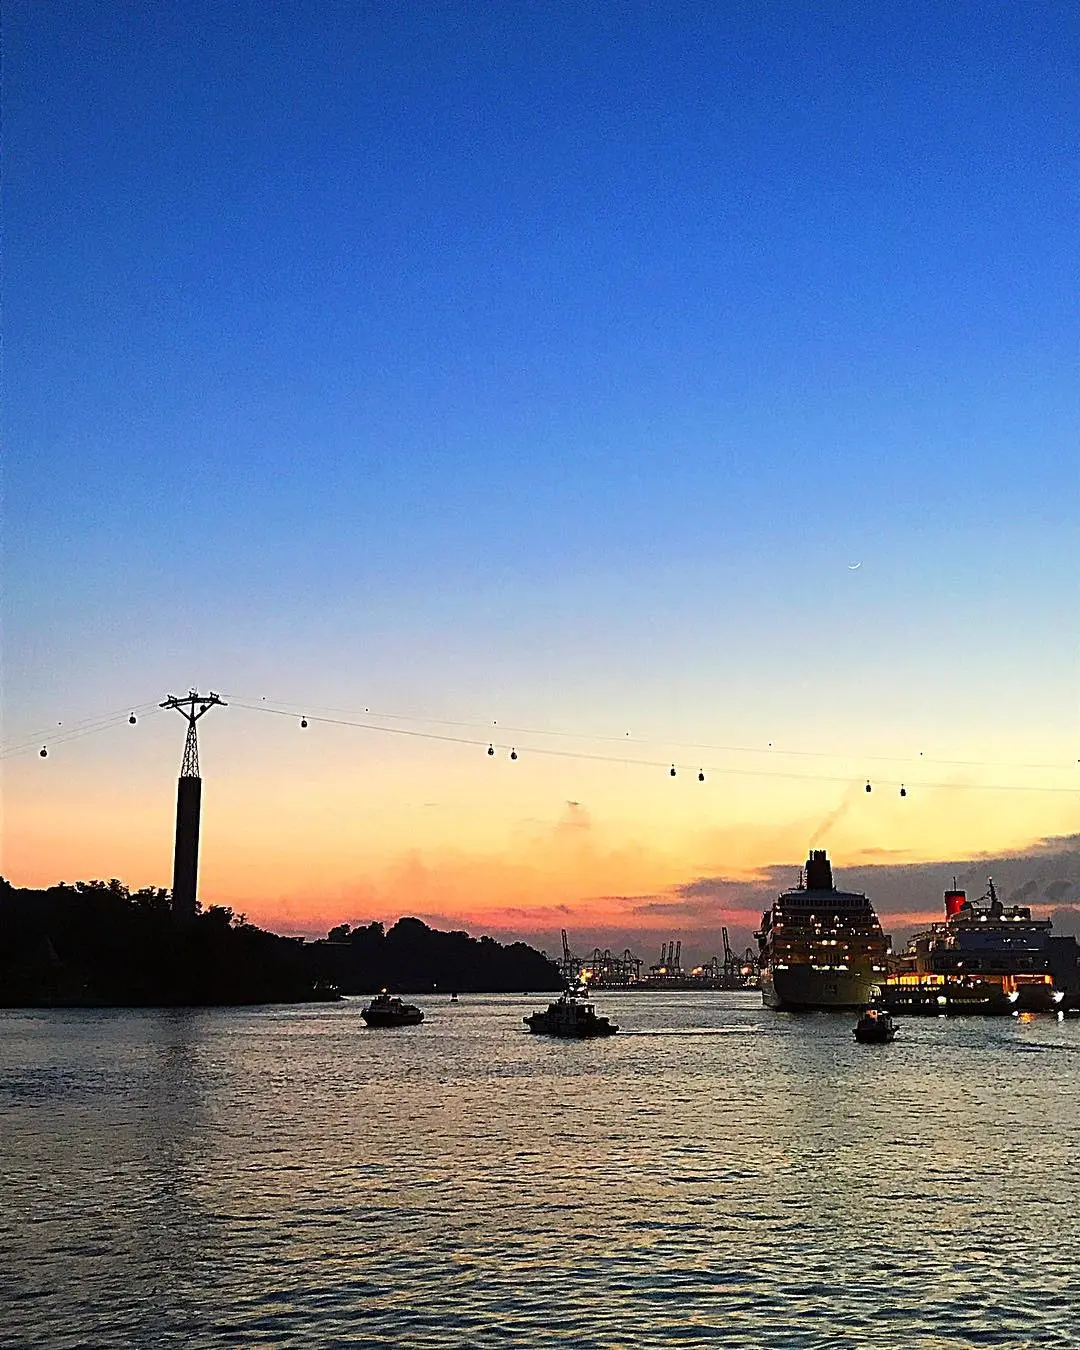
[384, 1010]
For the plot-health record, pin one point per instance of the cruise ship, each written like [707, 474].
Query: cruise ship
[986, 957]
[820, 948]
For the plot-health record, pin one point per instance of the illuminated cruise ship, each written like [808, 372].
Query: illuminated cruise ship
[986, 957]
[820, 947]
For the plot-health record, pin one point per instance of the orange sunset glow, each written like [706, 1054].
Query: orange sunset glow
[362, 825]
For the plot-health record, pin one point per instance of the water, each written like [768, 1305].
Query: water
[715, 1174]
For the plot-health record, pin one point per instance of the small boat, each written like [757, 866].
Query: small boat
[571, 1016]
[875, 1027]
[385, 1010]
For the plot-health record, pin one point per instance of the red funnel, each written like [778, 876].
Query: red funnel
[954, 902]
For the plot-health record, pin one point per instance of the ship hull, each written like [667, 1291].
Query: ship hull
[972, 998]
[410, 1019]
[543, 1027]
[801, 988]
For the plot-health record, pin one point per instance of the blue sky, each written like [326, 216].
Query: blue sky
[550, 358]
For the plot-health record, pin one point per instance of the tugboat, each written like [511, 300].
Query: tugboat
[875, 1027]
[387, 1011]
[571, 1016]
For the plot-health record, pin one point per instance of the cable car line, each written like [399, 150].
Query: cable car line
[770, 750]
[73, 731]
[489, 745]
[93, 725]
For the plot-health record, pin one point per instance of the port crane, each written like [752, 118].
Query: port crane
[570, 965]
[731, 962]
[669, 967]
[602, 968]
[606, 970]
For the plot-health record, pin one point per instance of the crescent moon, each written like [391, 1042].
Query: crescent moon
[854, 567]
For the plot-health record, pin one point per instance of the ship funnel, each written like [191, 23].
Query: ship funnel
[818, 871]
[954, 902]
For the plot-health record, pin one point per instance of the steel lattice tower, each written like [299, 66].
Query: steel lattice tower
[188, 803]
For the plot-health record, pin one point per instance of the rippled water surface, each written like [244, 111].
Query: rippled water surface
[715, 1174]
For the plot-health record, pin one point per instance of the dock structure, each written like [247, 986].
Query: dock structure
[608, 970]
[733, 972]
[603, 970]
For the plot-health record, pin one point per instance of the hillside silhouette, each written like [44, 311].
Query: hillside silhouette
[413, 958]
[97, 944]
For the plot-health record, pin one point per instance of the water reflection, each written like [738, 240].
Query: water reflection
[102, 1112]
[715, 1172]
[173, 1231]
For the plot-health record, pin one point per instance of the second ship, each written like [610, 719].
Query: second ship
[820, 948]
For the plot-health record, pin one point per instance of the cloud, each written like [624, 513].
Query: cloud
[905, 894]
[575, 873]
[683, 909]
[1066, 921]
[719, 887]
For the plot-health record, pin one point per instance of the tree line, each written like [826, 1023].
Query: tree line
[97, 943]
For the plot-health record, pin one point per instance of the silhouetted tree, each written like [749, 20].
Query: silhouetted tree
[414, 958]
[94, 943]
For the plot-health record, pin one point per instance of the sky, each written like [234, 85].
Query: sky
[689, 385]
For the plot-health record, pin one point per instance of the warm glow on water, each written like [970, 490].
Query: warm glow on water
[715, 1174]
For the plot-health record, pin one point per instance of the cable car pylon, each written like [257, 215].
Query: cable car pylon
[188, 802]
